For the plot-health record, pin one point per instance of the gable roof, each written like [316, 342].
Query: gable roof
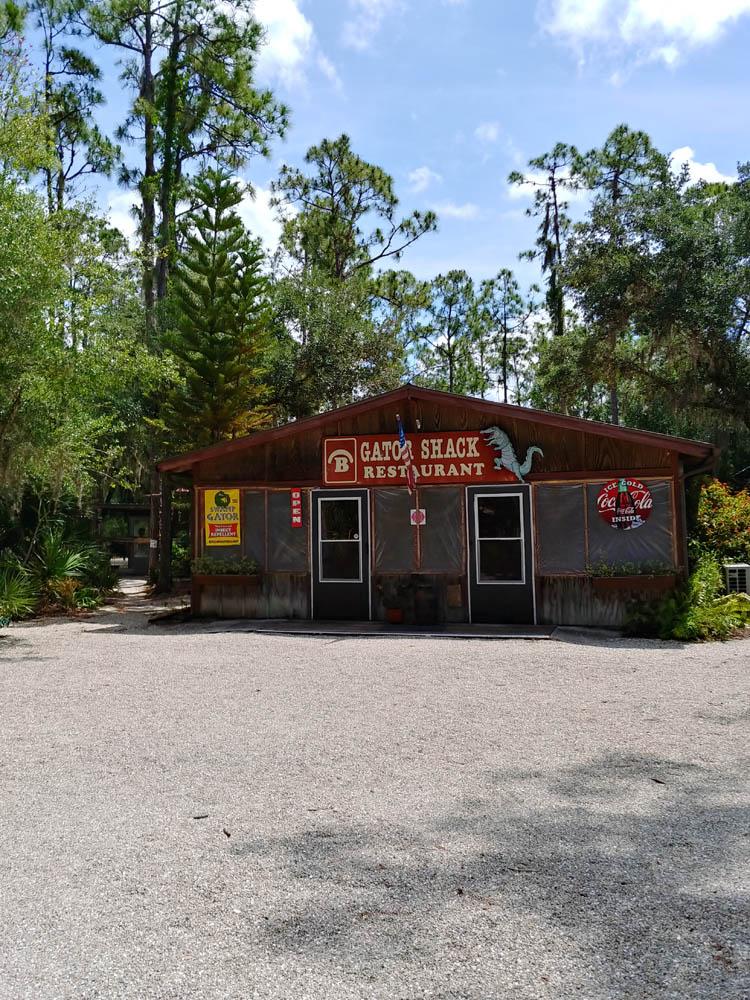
[405, 393]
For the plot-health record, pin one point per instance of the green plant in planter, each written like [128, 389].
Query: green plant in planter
[607, 570]
[233, 565]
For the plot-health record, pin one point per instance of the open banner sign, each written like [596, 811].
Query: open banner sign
[222, 517]
[296, 508]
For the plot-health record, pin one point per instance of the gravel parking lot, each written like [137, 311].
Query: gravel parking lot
[385, 818]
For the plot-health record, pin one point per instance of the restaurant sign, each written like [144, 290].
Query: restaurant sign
[222, 517]
[438, 458]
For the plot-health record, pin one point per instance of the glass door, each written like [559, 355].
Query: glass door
[501, 585]
[341, 555]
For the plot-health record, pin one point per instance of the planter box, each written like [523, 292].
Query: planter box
[232, 579]
[651, 584]
[201, 580]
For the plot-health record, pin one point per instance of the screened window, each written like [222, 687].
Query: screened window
[254, 527]
[340, 539]
[560, 518]
[287, 546]
[499, 538]
[395, 551]
[652, 542]
[441, 538]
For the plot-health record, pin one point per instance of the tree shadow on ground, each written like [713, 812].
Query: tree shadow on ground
[626, 871]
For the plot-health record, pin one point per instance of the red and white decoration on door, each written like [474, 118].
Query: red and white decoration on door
[417, 516]
[296, 508]
[625, 503]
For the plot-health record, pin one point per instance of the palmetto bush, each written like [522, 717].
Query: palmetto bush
[56, 558]
[19, 593]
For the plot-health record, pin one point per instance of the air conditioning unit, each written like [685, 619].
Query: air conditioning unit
[737, 576]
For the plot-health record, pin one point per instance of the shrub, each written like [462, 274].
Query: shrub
[88, 598]
[62, 592]
[233, 564]
[99, 573]
[180, 560]
[695, 612]
[114, 527]
[719, 619]
[56, 558]
[19, 594]
[723, 522]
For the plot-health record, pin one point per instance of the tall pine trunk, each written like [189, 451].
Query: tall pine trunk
[168, 179]
[148, 221]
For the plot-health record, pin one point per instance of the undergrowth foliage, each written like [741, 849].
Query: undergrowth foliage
[723, 522]
[696, 611]
[58, 573]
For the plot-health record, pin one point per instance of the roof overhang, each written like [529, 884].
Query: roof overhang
[682, 446]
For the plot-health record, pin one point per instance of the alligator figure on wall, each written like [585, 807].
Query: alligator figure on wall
[500, 441]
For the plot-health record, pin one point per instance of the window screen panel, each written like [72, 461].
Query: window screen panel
[560, 521]
[441, 537]
[394, 535]
[287, 546]
[651, 542]
[254, 527]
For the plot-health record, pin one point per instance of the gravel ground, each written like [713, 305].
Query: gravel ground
[385, 818]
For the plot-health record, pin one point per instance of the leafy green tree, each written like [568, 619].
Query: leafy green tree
[503, 315]
[221, 310]
[551, 176]
[341, 196]
[71, 95]
[606, 253]
[447, 335]
[343, 327]
[189, 66]
[11, 18]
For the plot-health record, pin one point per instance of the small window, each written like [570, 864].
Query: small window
[499, 539]
[340, 540]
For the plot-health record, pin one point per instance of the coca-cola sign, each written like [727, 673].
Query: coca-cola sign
[625, 503]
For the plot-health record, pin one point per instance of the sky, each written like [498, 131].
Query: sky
[449, 96]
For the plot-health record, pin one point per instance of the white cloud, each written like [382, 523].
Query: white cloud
[367, 18]
[290, 45]
[708, 172]
[329, 71]
[260, 217]
[656, 29]
[452, 211]
[120, 212]
[422, 177]
[487, 132]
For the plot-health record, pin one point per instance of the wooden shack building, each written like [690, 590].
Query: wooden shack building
[514, 516]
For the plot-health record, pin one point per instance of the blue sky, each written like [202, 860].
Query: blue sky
[449, 96]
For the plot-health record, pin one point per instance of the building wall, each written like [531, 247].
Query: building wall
[427, 566]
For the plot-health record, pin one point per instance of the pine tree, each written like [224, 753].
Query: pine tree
[221, 320]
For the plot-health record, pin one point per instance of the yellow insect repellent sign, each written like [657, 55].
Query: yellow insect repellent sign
[222, 517]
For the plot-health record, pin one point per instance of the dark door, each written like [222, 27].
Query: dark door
[501, 578]
[341, 555]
